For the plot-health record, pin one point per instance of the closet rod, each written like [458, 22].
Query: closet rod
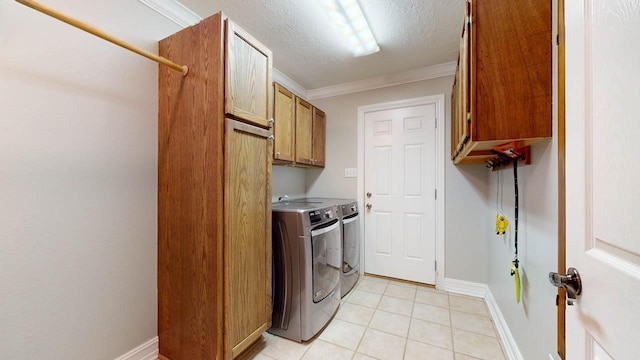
[101, 34]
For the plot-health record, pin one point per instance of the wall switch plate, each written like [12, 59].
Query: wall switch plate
[350, 172]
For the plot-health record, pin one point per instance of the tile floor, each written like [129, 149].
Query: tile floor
[390, 320]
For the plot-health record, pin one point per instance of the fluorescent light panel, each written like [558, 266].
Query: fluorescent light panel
[348, 16]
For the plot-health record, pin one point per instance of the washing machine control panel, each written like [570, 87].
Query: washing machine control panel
[328, 214]
[315, 216]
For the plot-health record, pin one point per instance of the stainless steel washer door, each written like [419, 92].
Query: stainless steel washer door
[351, 246]
[327, 259]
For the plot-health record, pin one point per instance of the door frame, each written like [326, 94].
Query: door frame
[439, 102]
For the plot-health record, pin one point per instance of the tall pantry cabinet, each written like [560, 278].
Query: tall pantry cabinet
[214, 192]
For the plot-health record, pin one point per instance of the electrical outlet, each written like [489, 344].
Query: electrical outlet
[350, 172]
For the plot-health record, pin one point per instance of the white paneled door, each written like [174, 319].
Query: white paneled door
[602, 172]
[400, 183]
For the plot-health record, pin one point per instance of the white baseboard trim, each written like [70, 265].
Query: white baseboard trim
[509, 343]
[465, 288]
[146, 351]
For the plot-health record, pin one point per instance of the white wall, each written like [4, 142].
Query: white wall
[288, 181]
[78, 182]
[466, 186]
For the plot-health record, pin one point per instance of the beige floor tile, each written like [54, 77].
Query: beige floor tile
[321, 350]
[381, 345]
[469, 305]
[420, 351]
[390, 323]
[464, 357]
[343, 334]
[473, 323]
[432, 298]
[480, 346]
[359, 356]
[396, 306]
[356, 314]
[430, 333]
[375, 287]
[262, 357]
[284, 349]
[431, 313]
[401, 292]
[403, 284]
[364, 298]
[375, 278]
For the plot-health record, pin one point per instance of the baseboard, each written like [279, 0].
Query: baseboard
[146, 351]
[510, 347]
[465, 288]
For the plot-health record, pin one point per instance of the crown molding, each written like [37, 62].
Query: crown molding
[174, 11]
[291, 85]
[405, 77]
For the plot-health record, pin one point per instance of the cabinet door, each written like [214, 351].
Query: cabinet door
[304, 129]
[248, 88]
[247, 247]
[284, 125]
[319, 131]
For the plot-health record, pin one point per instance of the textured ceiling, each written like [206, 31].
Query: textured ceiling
[411, 33]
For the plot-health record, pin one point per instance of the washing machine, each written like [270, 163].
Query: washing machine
[307, 262]
[350, 218]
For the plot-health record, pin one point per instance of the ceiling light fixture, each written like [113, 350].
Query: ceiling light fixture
[348, 16]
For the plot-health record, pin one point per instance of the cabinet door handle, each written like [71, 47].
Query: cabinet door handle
[272, 121]
[271, 137]
[278, 154]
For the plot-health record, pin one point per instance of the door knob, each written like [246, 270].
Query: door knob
[369, 206]
[368, 194]
[570, 282]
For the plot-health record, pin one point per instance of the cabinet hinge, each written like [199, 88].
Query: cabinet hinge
[435, 266]
[557, 39]
[435, 194]
[436, 123]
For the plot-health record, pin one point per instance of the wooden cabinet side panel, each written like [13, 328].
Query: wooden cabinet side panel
[190, 191]
[303, 132]
[319, 137]
[512, 64]
[249, 91]
[284, 126]
[247, 234]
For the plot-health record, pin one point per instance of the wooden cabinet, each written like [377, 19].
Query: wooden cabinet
[304, 132]
[502, 88]
[299, 131]
[247, 237]
[319, 131]
[284, 125]
[214, 204]
[248, 95]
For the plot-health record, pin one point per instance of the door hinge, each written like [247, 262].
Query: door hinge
[435, 194]
[435, 266]
[436, 123]
[557, 39]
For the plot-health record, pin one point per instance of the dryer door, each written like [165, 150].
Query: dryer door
[351, 246]
[327, 259]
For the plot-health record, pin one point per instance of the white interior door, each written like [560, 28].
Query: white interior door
[400, 175]
[602, 172]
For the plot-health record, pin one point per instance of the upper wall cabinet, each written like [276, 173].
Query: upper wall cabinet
[304, 131]
[249, 93]
[284, 125]
[502, 89]
[319, 130]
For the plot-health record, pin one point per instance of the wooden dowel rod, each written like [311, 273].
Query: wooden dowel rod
[101, 34]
